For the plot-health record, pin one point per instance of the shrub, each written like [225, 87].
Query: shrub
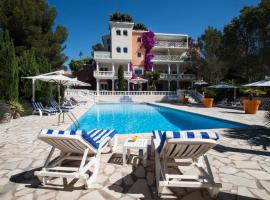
[16, 108]
[140, 27]
[254, 92]
[209, 93]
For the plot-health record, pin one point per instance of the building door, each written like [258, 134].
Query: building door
[104, 86]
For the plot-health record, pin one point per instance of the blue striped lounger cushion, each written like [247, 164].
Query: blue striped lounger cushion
[193, 134]
[94, 137]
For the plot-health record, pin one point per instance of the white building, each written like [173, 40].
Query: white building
[123, 47]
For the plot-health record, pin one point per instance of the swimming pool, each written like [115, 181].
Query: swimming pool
[143, 118]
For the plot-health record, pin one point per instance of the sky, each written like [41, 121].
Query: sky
[88, 20]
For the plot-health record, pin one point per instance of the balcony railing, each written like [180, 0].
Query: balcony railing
[169, 58]
[102, 55]
[104, 74]
[176, 76]
[170, 44]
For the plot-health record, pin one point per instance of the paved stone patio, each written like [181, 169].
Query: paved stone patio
[241, 162]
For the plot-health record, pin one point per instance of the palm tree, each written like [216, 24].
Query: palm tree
[81, 54]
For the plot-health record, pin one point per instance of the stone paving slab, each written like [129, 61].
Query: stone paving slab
[241, 162]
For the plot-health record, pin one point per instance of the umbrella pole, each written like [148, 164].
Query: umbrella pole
[59, 96]
[234, 93]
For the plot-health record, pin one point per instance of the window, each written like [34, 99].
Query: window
[139, 54]
[108, 41]
[139, 39]
[118, 32]
[138, 71]
[125, 33]
[125, 50]
[118, 49]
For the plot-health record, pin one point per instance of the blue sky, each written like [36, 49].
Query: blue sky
[87, 20]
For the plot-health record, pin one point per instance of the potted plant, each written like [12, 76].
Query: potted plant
[251, 105]
[184, 99]
[209, 95]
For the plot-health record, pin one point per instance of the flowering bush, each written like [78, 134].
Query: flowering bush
[148, 42]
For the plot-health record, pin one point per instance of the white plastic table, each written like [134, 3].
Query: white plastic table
[139, 144]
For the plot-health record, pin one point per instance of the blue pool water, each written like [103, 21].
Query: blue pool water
[142, 118]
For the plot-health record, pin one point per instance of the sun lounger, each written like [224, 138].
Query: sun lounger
[180, 146]
[55, 105]
[77, 102]
[78, 145]
[39, 108]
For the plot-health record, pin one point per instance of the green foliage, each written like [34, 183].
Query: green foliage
[30, 24]
[213, 69]
[28, 66]
[121, 81]
[97, 47]
[209, 93]
[140, 27]
[16, 107]
[120, 17]
[77, 65]
[8, 68]
[242, 51]
[153, 79]
[38, 46]
[253, 92]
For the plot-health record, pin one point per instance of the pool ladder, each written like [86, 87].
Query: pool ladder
[71, 117]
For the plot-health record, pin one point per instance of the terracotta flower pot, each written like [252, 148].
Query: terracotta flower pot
[251, 106]
[208, 102]
[184, 100]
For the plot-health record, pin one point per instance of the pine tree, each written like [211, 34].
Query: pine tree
[8, 68]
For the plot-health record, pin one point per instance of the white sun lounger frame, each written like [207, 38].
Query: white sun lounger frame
[195, 150]
[72, 147]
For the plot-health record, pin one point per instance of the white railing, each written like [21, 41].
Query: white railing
[170, 44]
[137, 93]
[104, 74]
[174, 58]
[197, 95]
[83, 92]
[102, 55]
[177, 76]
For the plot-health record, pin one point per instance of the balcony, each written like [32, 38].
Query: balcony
[168, 58]
[104, 74]
[102, 55]
[170, 44]
[164, 76]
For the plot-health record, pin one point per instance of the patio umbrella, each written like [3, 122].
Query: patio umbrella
[224, 85]
[60, 79]
[200, 82]
[262, 83]
[56, 77]
[138, 80]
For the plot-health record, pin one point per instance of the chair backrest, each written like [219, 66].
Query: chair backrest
[66, 141]
[37, 105]
[187, 144]
[54, 103]
[187, 148]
